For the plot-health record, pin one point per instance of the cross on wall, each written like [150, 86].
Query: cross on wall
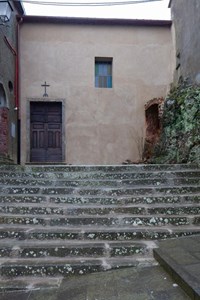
[45, 85]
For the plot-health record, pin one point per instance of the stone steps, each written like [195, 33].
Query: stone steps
[64, 220]
[67, 266]
[100, 210]
[98, 200]
[117, 183]
[119, 220]
[61, 248]
[21, 232]
[100, 168]
[99, 175]
[103, 192]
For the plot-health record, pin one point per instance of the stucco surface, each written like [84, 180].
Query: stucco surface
[102, 126]
[186, 19]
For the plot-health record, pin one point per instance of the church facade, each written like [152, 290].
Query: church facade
[84, 84]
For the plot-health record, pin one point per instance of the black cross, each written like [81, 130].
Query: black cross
[45, 89]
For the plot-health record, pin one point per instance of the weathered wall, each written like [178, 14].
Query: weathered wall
[180, 138]
[102, 126]
[4, 131]
[186, 20]
[7, 82]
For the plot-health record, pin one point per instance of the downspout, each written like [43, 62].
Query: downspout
[19, 21]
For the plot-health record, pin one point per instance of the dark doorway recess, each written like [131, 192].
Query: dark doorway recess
[153, 122]
[153, 128]
[46, 132]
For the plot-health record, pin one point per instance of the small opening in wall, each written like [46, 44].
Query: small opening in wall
[153, 113]
[10, 86]
[152, 121]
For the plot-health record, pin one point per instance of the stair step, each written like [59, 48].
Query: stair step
[67, 267]
[100, 168]
[107, 210]
[100, 183]
[94, 176]
[58, 248]
[133, 191]
[21, 232]
[120, 220]
[88, 200]
[63, 210]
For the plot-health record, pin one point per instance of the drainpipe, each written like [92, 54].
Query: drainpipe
[19, 21]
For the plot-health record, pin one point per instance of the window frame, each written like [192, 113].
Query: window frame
[103, 72]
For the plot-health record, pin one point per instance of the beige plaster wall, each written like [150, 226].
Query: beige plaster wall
[102, 126]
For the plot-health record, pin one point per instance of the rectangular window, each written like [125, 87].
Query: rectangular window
[103, 72]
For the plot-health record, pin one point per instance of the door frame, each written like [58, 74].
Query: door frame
[28, 124]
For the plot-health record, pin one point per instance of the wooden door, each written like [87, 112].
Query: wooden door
[46, 132]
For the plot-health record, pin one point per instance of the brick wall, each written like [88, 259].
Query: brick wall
[4, 131]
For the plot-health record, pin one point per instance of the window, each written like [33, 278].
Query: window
[103, 72]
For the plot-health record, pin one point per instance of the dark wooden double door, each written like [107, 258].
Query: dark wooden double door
[46, 132]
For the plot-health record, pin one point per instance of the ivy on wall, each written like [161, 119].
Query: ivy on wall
[180, 137]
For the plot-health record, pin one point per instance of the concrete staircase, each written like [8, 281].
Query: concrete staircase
[56, 221]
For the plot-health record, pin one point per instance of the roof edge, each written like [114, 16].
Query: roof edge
[96, 21]
[170, 2]
[19, 7]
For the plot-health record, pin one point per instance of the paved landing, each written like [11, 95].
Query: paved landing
[146, 283]
[181, 259]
